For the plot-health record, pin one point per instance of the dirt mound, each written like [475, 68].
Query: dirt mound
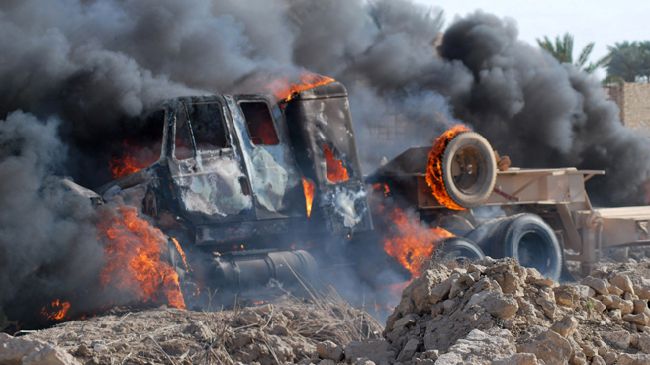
[488, 312]
[499, 311]
[287, 331]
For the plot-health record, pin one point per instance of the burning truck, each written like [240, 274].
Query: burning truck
[250, 190]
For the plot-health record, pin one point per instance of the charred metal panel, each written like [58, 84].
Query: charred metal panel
[211, 184]
[319, 119]
[272, 170]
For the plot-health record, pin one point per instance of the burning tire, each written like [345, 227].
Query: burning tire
[527, 238]
[469, 169]
[459, 249]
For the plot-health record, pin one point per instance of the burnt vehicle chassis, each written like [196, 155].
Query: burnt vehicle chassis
[231, 186]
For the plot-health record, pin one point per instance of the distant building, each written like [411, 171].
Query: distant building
[633, 100]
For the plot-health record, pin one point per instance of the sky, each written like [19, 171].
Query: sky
[599, 21]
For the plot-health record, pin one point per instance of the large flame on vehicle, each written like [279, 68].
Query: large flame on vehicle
[285, 90]
[309, 188]
[57, 310]
[434, 167]
[133, 260]
[412, 242]
[336, 172]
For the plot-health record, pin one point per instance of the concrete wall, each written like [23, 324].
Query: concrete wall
[633, 100]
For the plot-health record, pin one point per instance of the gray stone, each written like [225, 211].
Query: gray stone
[329, 350]
[566, 327]
[518, 359]
[599, 285]
[623, 282]
[32, 352]
[375, 350]
[633, 359]
[619, 339]
[409, 350]
[548, 346]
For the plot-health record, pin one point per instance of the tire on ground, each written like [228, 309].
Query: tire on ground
[527, 238]
[469, 169]
[459, 249]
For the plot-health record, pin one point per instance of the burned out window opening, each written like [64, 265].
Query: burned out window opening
[259, 123]
[336, 170]
[183, 148]
[207, 126]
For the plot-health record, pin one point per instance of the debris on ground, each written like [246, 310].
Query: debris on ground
[499, 312]
[486, 312]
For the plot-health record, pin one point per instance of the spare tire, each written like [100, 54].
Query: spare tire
[469, 169]
[527, 238]
[459, 249]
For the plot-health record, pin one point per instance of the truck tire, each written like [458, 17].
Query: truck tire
[469, 169]
[459, 249]
[527, 238]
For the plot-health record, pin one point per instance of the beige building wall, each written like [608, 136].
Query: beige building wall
[633, 100]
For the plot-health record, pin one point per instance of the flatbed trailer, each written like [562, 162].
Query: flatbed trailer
[558, 195]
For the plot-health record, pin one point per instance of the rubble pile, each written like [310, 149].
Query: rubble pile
[287, 331]
[486, 312]
[497, 312]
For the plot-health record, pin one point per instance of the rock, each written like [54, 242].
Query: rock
[599, 285]
[430, 288]
[622, 282]
[610, 357]
[479, 348]
[375, 350]
[566, 296]
[495, 303]
[597, 360]
[643, 342]
[584, 291]
[633, 359]
[327, 362]
[640, 306]
[578, 358]
[643, 291]
[566, 327]
[619, 339]
[32, 352]
[518, 359]
[409, 350]
[640, 319]
[329, 350]
[549, 347]
[364, 361]
[546, 300]
[615, 314]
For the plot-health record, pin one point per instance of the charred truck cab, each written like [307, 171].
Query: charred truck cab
[248, 179]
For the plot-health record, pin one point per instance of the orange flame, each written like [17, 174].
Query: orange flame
[434, 167]
[181, 252]
[414, 242]
[309, 188]
[57, 310]
[382, 187]
[336, 172]
[134, 263]
[134, 159]
[286, 90]
[126, 165]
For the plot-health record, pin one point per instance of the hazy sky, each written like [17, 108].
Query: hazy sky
[600, 21]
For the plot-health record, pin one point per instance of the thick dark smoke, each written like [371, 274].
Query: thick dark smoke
[94, 66]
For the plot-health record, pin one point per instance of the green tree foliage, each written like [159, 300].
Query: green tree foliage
[562, 50]
[629, 61]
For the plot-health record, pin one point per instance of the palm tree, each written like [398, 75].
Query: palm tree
[629, 61]
[562, 50]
